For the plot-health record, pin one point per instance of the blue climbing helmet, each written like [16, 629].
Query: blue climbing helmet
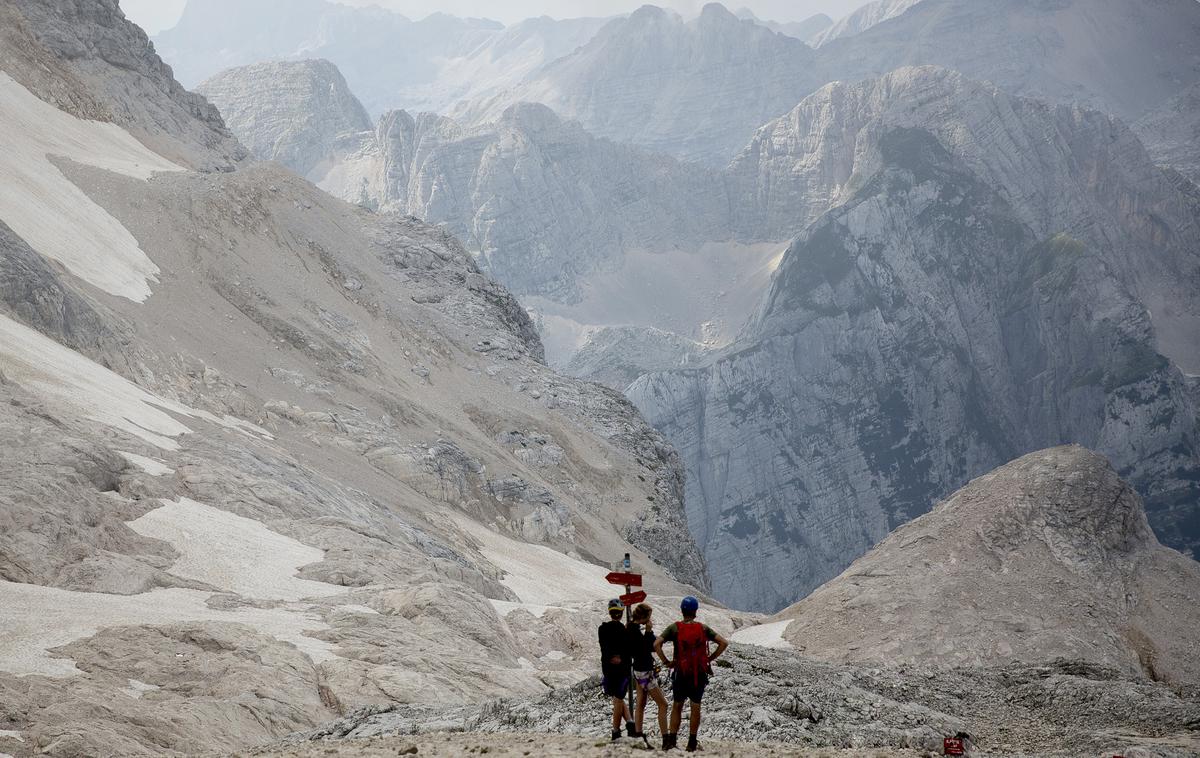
[615, 605]
[689, 605]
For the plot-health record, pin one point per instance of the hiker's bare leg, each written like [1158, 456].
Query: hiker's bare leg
[676, 716]
[641, 708]
[694, 723]
[618, 711]
[661, 702]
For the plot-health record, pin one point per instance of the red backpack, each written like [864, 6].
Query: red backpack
[691, 650]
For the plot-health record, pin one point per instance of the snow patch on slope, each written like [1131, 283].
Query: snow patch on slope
[63, 376]
[233, 553]
[53, 215]
[537, 574]
[39, 619]
[764, 635]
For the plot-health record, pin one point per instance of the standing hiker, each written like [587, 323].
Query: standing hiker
[691, 668]
[641, 650]
[614, 664]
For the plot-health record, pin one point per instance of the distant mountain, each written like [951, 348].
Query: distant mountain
[994, 275]
[807, 30]
[1047, 557]
[310, 110]
[862, 19]
[389, 60]
[1091, 52]
[694, 89]
[1171, 132]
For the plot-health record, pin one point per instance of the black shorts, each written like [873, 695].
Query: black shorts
[687, 687]
[616, 680]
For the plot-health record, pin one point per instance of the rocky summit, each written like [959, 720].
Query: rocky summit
[1067, 565]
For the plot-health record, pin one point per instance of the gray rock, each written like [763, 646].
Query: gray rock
[827, 425]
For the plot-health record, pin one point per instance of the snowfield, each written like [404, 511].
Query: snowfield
[53, 215]
[64, 377]
[233, 553]
[38, 619]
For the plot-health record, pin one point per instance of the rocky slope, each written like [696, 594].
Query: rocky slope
[775, 702]
[1092, 52]
[955, 310]
[1171, 132]
[808, 30]
[693, 89]
[1033, 610]
[310, 114]
[1068, 563]
[391, 61]
[248, 483]
[863, 19]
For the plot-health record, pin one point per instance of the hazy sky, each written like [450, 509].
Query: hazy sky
[156, 15]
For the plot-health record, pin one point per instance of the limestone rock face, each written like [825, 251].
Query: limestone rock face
[541, 201]
[696, 89]
[1048, 556]
[616, 356]
[1171, 132]
[949, 314]
[1090, 52]
[82, 56]
[294, 113]
[863, 19]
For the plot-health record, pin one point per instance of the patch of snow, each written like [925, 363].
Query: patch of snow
[233, 553]
[555, 655]
[39, 619]
[11, 735]
[352, 608]
[537, 574]
[148, 465]
[136, 689]
[764, 635]
[65, 377]
[54, 216]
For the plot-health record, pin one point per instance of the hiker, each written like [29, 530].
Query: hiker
[641, 650]
[614, 664]
[691, 667]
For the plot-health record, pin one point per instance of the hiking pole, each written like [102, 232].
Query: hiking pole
[628, 621]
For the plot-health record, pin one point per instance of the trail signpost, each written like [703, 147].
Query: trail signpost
[629, 580]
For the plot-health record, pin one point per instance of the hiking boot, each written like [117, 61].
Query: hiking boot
[693, 746]
[668, 742]
[616, 735]
[631, 730]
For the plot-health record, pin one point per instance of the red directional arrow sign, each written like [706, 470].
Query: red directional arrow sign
[633, 598]
[629, 580]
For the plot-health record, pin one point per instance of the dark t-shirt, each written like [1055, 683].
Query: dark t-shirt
[613, 642]
[641, 647]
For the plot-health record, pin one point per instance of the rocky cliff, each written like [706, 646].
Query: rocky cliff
[268, 457]
[540, 200]
[693, 89]
[950, 313]
[863, 19]
[1049, 556]
[1091, 52]
[1171, 132]
[310, 112]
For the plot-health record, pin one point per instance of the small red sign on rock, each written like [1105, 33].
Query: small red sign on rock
[953, 746]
